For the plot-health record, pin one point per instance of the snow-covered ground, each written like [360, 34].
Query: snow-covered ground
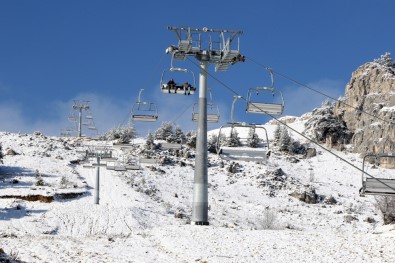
[144, 215]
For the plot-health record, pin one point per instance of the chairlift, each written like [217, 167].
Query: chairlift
[243, 152]
[168, 85]
[377, 185]
[89, 116]
[273, 106]
[212, 112]
[144, 111]
[72, 118]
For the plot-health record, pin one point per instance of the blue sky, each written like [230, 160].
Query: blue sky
[52, 52]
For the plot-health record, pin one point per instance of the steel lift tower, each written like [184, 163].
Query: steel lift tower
[220, 50]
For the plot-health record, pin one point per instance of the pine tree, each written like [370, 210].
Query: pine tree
[277, 134]
[165, 132]
[253, 138]
[179, 135]
[234, 139]
[285, 141]
[149, 141]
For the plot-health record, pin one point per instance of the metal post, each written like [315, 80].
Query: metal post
[79, 122]
[97, 183]
[200, 186]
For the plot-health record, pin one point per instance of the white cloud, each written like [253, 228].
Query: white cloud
[299, 100]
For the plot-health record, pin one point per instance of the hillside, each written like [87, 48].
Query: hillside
[255, 214]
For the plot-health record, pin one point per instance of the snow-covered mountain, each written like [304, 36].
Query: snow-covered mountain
[290, 208]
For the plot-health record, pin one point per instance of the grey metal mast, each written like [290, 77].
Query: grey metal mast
[222, 53]
[80, 106]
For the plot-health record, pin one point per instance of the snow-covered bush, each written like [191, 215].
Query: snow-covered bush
[212, 144]
[191, 139]
[120, 134]
[233, 140]
[40, 180]
[179, 136]
[386, 204]
[149, 142]
[165, 132]
[268, 219]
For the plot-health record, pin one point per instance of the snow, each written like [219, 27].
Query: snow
[144, 215]
[390, 109]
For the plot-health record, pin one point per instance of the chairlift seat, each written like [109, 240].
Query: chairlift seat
[132, 167]
[167, 89]
[265, 108]
[120, 168]
[378, 186]
[243, 154]
[140, 117]
[211, 118]
[175, 146]
[148, 160]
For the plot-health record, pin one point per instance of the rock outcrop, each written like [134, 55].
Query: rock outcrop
[368, 107]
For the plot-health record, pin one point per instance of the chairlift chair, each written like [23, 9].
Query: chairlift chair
[375, 185]
[168, 85]
[144, 111]
[72, 118]
[243, 153]
[274, 106]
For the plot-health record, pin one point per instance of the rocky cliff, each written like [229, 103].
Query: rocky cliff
[368, 106]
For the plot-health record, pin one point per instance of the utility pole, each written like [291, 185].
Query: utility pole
[220, 53]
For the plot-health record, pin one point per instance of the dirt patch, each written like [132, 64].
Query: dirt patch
[41, 198]
[68, 195]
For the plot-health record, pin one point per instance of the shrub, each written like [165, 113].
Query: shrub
[121, 134]
[268, 220]
[386, 204]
